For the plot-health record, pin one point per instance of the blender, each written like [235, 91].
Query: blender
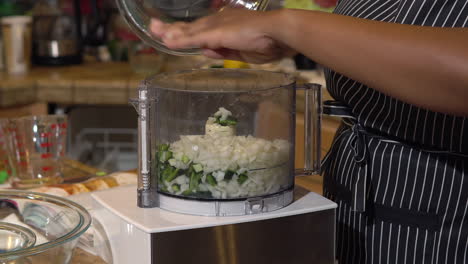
[216, 184]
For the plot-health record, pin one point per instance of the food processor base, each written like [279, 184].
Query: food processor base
[303, 232]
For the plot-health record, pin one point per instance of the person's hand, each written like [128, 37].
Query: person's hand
[234, 34]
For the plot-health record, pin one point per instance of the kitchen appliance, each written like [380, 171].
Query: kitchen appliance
[39, 228]
[138, 15]
[206, 143]
[57, 32]
[216, 175]
[301, 233]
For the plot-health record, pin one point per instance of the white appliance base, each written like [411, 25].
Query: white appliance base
[303, 232]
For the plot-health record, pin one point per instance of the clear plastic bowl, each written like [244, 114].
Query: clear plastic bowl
[39, 228]
[138, 14]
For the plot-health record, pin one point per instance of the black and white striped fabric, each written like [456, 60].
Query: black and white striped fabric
[398, 172]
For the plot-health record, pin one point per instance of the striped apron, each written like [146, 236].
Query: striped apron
[398, 171]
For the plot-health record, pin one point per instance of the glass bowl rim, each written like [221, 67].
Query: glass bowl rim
[290, 81]
[83, 224]
[151, 40]
[21, 230]
[146, 37]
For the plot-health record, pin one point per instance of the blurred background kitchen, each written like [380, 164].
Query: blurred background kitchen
[67, 71]
[79, 58]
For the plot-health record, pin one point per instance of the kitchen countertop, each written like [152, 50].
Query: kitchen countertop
[107, 83]
[91, 83]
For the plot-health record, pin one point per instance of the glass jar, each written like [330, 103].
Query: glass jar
[224, 136]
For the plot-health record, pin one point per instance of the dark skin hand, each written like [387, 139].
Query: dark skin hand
[423, 66]
[248, 44]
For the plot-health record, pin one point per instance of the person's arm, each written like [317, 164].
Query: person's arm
[424, 66]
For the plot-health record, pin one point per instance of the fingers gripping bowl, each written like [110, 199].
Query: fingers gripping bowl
[138, 14]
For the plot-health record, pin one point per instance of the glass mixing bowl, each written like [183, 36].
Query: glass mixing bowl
[39, 228]
[138, 14]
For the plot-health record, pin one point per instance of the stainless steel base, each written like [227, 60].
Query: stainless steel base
[300, 239]
[227, 208]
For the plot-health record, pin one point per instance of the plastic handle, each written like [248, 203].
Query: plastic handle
[312, 129]
[147, 183]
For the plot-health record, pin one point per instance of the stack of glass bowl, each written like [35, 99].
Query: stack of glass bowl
[38, 228]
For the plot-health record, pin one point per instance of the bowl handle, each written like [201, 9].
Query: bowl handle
[312, 129]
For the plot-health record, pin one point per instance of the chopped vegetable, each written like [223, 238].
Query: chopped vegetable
[176, 187]
[172, 175]
[194, 180]
[166, 173]
[185, 159]
[229, 174]
[197, 167]
[242, 178]
[229, 121]
[211, 180]
[224, 118]
[163, 147]
[165, 156]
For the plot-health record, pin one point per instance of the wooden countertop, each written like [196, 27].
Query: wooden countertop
[89, 83]
[102, 83]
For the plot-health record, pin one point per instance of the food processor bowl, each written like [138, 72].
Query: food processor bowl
[222, 141]
[39, 228]
[138, 14]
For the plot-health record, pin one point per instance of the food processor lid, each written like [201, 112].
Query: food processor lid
[220, 81]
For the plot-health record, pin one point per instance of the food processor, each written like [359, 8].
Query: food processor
[205, 143]
[216, 183]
